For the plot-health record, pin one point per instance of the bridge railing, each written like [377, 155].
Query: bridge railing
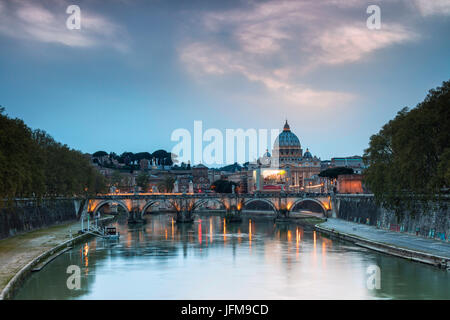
[211, 195]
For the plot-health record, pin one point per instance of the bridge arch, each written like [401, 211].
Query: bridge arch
[148, 205]
[200, 202]
[174, 204]
[270, 203]
[320, 203]
[102, 203]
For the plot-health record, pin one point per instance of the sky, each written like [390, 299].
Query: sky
[138, 70]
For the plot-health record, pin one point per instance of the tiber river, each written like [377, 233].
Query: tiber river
[211, 259]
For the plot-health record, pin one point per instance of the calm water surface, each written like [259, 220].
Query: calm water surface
[210, 259]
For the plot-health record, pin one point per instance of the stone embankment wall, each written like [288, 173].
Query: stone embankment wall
[26, 215]
[432, 223]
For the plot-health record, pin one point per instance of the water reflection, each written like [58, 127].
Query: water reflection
[210, 259]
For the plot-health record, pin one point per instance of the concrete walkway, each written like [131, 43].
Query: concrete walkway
[19, 250]
[403, 240]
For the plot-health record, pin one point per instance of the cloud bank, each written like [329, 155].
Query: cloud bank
[31, 21]
[277, 43]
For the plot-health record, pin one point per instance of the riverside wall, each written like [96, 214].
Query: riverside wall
[26, 215]
[433, 222]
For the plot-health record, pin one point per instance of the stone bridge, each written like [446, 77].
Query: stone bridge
[137, 204]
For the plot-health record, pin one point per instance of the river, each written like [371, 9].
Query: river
[212, 259]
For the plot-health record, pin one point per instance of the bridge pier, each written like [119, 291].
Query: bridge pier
[282, 215]
[184, 216]
[134, 217]
[233, 215]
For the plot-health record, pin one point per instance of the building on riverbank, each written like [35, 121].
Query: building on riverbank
[350, 183]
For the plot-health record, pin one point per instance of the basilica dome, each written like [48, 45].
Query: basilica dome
[287, 138]
[287, 148]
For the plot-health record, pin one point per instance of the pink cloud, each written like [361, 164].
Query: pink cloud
[275, 43]
[32, 22]
[350, 43]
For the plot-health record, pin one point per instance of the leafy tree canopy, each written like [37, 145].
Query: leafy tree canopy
[142, 155]
[167, 184]
[409, 159]
[333, 173]
[100, 154]
[33, 164]
[223, 186]
[143, 180]
[163, 156]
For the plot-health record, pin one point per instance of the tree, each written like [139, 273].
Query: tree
[116, 178]
[223, 186]
[33, 164]
[127, 158]
[99, 154]
[143, 180]
[163, 157]
[409, 158]
[167, 184]
[333, 173]
[142, 155]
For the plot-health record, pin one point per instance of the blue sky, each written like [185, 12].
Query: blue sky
[138, 70]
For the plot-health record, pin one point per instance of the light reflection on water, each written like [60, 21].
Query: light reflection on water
[212, 259]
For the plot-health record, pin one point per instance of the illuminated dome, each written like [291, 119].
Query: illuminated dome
[287, 148]
[287, 138]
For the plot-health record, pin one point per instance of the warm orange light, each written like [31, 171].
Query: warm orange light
[210, 230]
[173, 230]
[224, 230]
[314, 237]
[297, 236]
[289, 205]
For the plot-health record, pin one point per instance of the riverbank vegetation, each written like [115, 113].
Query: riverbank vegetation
[333, 173]
[409, 159]
[224, 186]
[33, 164]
